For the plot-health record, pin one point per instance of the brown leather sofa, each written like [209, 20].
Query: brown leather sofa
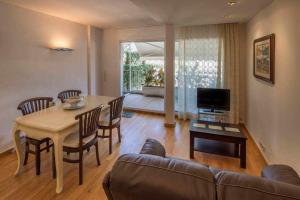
[152, 175]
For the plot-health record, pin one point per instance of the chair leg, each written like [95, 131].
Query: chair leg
[37, 159]
[97, 154]
[26, 153]
[119, 133]
[103, 133]
[110, 141]
[53, 164]
[80, 167]
[47, 143]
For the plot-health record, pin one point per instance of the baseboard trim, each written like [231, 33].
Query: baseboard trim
[7, 149]
[256, 144]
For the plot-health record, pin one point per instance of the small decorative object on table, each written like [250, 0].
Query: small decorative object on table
[264, 58]
[74, 103]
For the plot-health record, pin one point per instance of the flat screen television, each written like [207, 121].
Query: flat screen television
[213, 99]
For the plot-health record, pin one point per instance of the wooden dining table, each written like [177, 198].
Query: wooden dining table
[55, 123]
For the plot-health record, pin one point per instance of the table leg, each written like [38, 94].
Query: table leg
[236, 149]
[20, 150]
[192, 146]
[58, 151]
[243, 155]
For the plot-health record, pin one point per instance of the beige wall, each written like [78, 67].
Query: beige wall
[272, 111]
[28, 68]
[98, 35]
[242, 73]
[110, 70]
[94, 37]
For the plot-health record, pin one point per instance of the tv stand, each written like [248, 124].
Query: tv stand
[217, 115]
[214, 111]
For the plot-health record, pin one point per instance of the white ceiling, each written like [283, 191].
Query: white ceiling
[197, 12]
[100, 13]
[134, 13]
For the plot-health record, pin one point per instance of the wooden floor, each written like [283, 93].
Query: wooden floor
[134, 130]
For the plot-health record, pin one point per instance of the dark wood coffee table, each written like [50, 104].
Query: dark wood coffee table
[209, 140]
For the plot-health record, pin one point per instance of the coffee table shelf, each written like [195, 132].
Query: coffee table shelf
[221, 142]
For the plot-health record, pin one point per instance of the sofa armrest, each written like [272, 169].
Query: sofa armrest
[106, 186]
[282, 173]
[236, 186]
[153, 147]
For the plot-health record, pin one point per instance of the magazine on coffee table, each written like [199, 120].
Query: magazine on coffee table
[231, 129]
[214, 127]
[199, 125]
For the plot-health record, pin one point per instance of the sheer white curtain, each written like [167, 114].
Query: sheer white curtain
[230, 35]
[200, 61]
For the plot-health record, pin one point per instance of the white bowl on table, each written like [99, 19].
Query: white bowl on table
[73, 100]
[73, 103]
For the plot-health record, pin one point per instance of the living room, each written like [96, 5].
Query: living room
[230, 100]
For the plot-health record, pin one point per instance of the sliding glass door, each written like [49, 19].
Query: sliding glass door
[142, 66]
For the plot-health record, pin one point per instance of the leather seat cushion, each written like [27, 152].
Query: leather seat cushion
[147, 177]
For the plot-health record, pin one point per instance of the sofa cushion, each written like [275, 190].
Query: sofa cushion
[146, 177]
[106, 186]
[153, 147]
[214, 170]
[235, 186]
[72, 140]
[282, 173]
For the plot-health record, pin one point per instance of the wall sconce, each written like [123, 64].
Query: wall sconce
[60, 44]
[61, 49]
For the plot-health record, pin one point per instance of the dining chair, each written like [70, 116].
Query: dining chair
[78, 142]
[27, 107]
[114, 120]
[67, 94]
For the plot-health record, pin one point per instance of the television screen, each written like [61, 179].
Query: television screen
[215, 99]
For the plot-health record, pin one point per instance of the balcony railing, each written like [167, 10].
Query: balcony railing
[133, 81]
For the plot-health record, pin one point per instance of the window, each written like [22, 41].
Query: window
[198, 63]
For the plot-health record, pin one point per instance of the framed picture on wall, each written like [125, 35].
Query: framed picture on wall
[264, 58]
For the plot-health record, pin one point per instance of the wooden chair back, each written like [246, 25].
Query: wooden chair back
[35, 104]
[67, 94]
[88, 123]
[116, 107]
